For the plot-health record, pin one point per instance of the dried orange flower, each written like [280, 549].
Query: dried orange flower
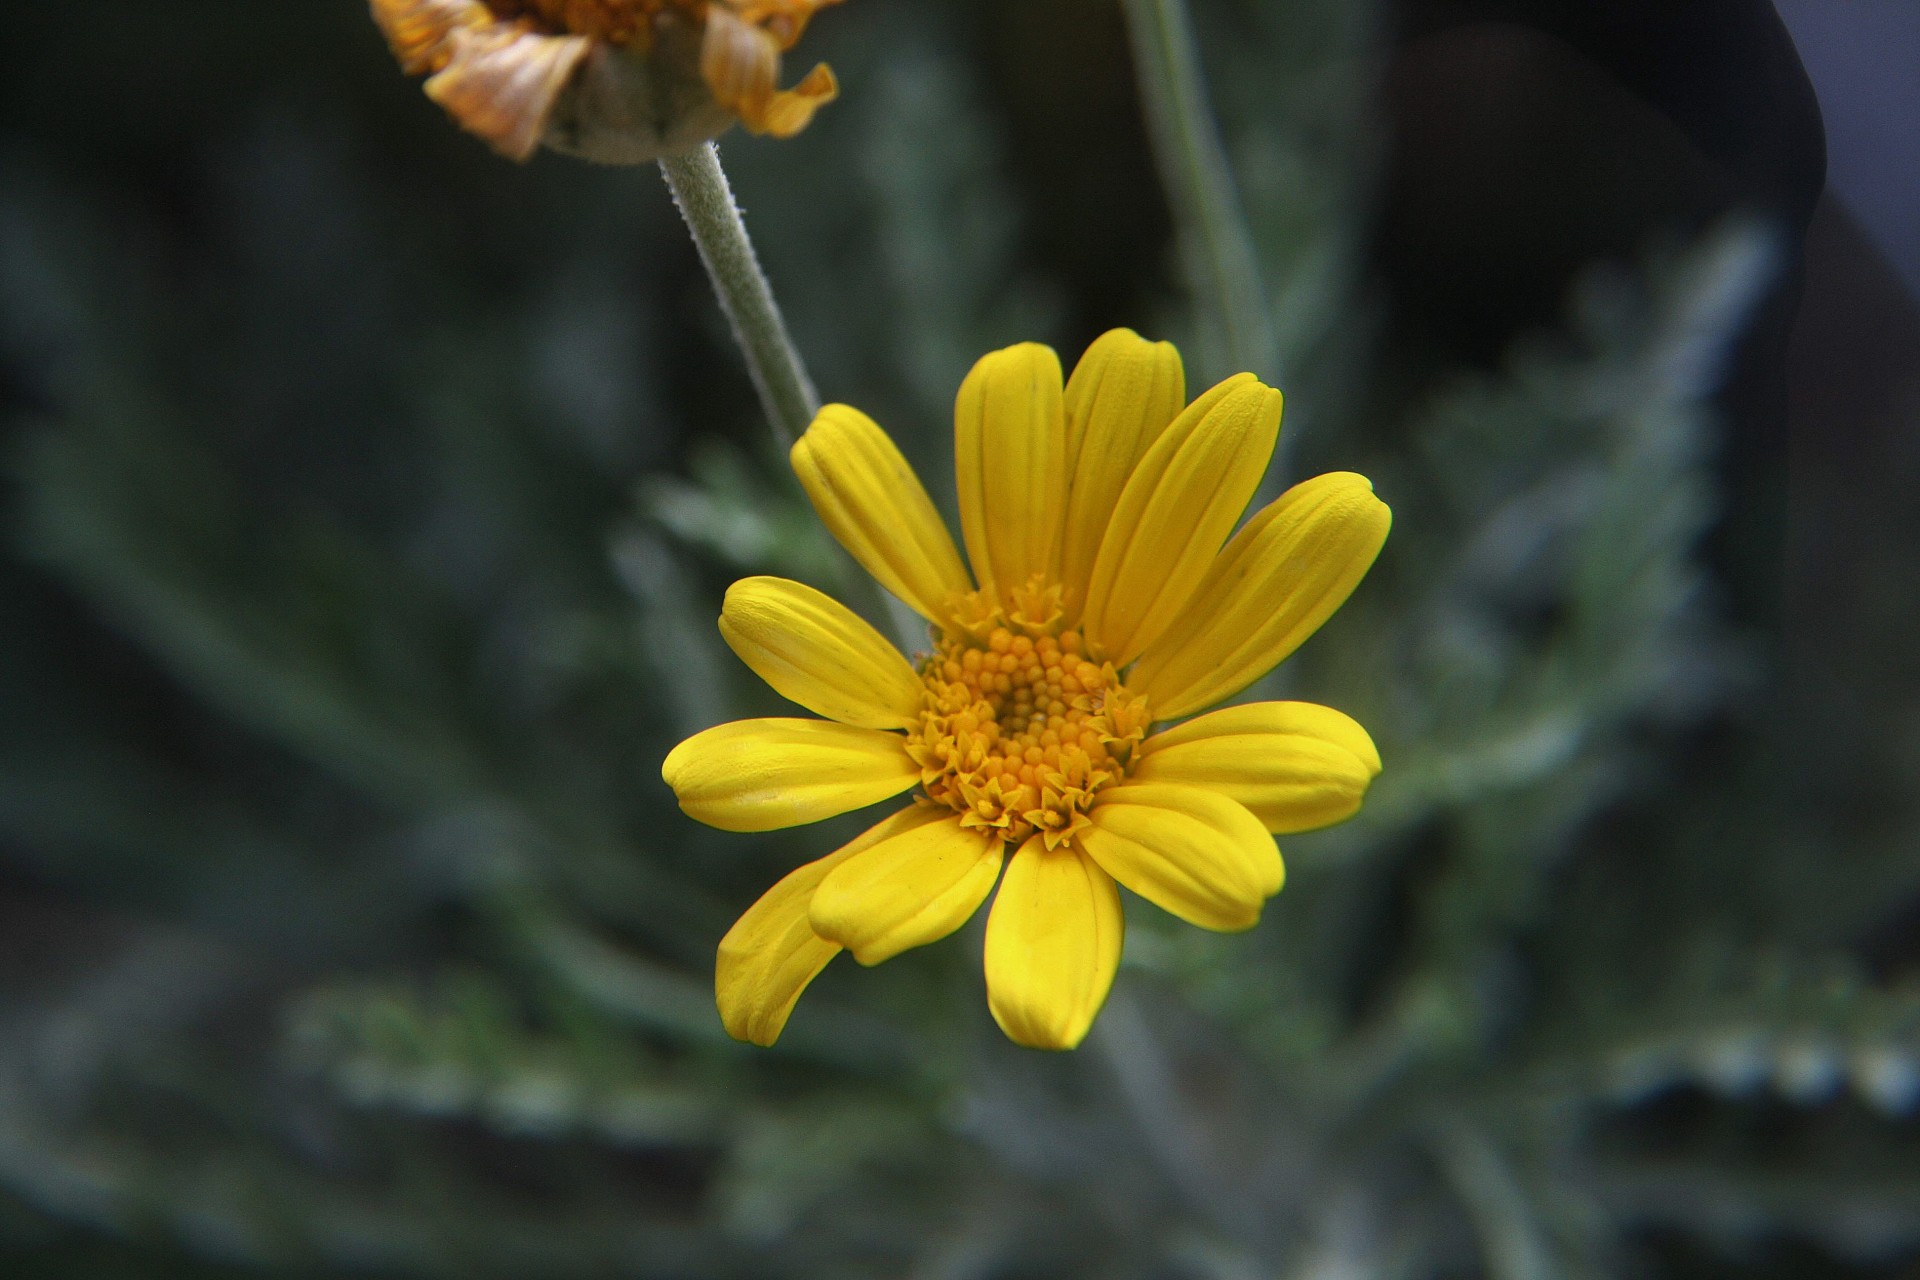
[618, 81]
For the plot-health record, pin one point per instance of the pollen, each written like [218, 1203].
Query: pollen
[1020, 732]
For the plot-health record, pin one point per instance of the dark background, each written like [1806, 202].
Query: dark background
[240, 218]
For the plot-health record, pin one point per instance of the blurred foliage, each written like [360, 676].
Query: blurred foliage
[371, 503]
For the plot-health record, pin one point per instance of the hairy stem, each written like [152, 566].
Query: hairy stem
[700, 189]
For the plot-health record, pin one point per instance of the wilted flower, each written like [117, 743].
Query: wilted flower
[1101, 600]
[618, 81]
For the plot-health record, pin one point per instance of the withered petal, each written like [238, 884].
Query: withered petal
[789, 110]
[741, 65]
[501, 82]
[784, 20]
[420, 31]
[739, 61]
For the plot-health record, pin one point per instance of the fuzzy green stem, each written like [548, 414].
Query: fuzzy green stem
[1511, 1239]
[1199, 184]
[1172, 1132]
[700, 189]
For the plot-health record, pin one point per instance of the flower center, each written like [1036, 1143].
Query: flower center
[615, 21]
[1021, 732]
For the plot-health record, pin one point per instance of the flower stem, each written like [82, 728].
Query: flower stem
[1199, 184]
[699, 187]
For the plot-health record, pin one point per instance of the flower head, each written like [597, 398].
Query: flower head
[1105, 597]
[618, 81]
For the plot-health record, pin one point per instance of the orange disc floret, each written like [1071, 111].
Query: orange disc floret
[1020, 732]
[615, 21]
[626, 21]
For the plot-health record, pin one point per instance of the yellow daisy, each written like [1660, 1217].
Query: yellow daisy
[618, 81]
[1101, 602]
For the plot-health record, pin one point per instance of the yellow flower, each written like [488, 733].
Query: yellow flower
[1101, 602]
[618, 81]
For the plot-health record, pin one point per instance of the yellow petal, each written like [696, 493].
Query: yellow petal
[1274, 584]
[869, 498]
[760, 775]
[1053, 944]
[1177, 508]
[1010, 466]
[817, 652]
[915, 888]
[1188, 851]
[1296, 766]
[772, 953]
[501, 82]
[1304, 719]
[1122, 395]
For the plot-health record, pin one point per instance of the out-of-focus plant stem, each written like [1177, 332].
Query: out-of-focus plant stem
[1199, 184]
[700, 189]
[705, 199]
[1146, 1078]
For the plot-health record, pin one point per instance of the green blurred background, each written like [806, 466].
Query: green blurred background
[369, 500]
